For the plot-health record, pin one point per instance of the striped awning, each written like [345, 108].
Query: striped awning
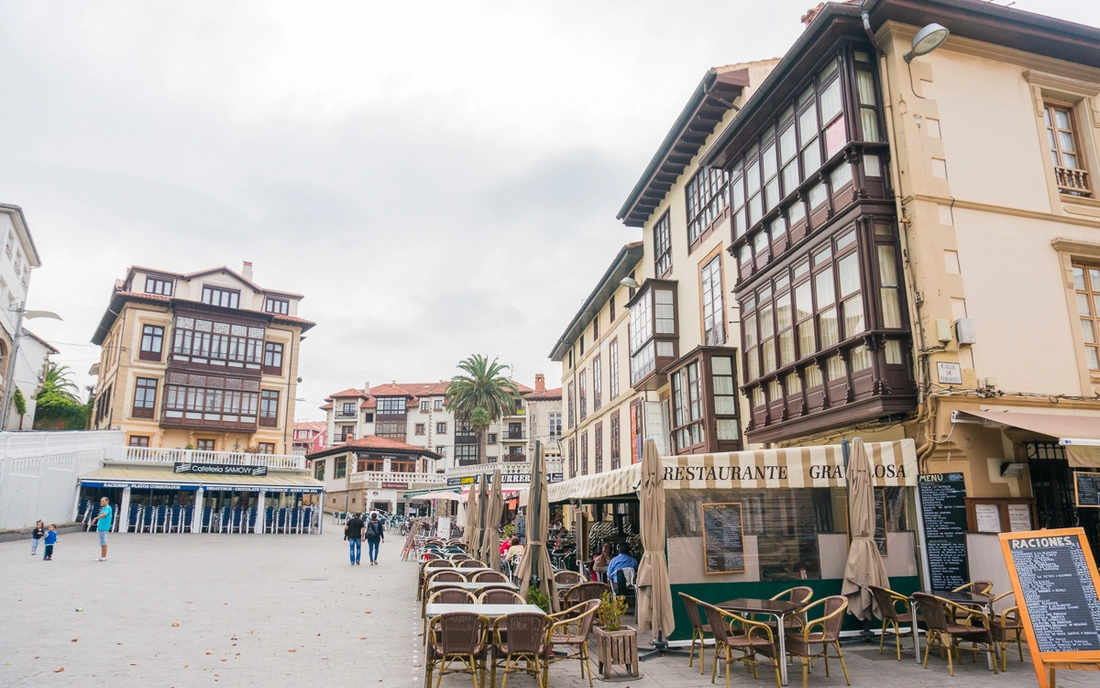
[619, 482]
[892, 464]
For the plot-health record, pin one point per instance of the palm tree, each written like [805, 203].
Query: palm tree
[481, 395]
[58, 387]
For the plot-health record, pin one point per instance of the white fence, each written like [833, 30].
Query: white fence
[167, 457]
[39, 471]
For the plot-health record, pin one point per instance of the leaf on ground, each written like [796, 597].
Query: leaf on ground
[175, 624]
[132, 664]
[209, 653]
[252, 633]
[73, 640]
[292, 650]
[223, 659]
[58, 671]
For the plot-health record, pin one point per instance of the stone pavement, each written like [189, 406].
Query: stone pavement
[288, 610]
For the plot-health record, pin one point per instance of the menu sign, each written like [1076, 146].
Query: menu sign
[943, 506]
[880, 522]
[1087, 487]
[723, 538]
[1054, 578]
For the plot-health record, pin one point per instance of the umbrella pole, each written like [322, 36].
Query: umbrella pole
[533, 509]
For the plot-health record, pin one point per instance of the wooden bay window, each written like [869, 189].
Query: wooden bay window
[653, 333]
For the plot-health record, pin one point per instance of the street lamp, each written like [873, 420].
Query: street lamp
[9, 382]
[927, 39]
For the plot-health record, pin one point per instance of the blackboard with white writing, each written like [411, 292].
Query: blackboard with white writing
[1058, 590]
[723, 538]
[1088, 488]
[943, 506]
[880, 523]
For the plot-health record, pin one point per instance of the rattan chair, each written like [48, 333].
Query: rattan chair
[887, 601]
[823, 631]
[471, 564]
[446, 596]
[522, 637]
[800, 595]
[699, 630]
[571, 628]
[445, 575]
[584, 592]
[942, 619]
[1007, 628]
[568, 578]
[456, 637]
[489, 577]
[500, 596]
[755, 638]
[978, 587]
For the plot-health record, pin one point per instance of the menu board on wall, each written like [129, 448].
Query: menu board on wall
[1055, 581]
[880, 522]
[723, 538]
[1087, 487]
[943, 507]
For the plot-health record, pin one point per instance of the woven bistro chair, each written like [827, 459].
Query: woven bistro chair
[978, 587]
[456, 637]
[941, 617]
[471, 564]
[500, 596]
[755, 637]
[458, 557]
[568, 578]
[489, 577]
[892, 619]
[571, 628]
[699, 630]
[446, 596]
[800, 595]
[583, 592]
[823, 631]
[522, 637]
[447, 575]
[1007, 628]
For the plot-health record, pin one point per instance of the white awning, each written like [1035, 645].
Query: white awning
[619, 482]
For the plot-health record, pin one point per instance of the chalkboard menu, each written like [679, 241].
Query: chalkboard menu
[723, 538]
[1087, 486]
[1055, 581]
[880, 522]
[943, 506]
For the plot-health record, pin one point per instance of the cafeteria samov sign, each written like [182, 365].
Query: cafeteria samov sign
[219, 469]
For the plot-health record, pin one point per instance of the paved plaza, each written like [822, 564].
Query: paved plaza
[288, 610]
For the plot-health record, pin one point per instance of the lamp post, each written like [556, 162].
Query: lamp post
[9, 383]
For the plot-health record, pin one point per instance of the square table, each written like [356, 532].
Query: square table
[777, 608]
[490, 610]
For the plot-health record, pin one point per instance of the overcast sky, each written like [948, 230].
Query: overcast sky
[438, 178]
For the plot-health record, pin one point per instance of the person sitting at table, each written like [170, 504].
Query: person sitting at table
[515, 551]
[505, 545]
[601, 560]
[615, 568]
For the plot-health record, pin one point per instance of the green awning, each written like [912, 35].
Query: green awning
[416, 493]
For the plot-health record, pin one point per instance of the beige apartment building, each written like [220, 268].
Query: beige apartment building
[206, 360]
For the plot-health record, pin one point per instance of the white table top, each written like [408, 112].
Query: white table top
[489, 610]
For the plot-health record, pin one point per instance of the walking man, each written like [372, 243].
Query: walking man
[353, 530]
[103, 526]
[375, 535]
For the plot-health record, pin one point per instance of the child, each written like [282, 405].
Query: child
[51, 539]
[36, 536]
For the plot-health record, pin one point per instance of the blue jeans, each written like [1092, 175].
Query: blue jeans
[372, 549]
[34, 544]
[355, 549]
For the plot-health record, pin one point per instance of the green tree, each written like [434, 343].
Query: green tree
[481, 395]
[58, 387]
[58, 404]
[20, 402]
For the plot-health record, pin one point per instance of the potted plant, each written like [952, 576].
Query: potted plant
[538, 598]
[616, 644]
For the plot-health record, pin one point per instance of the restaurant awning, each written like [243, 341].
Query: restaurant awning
[1064, 425]
[165, 478]
[414, 494]
[619, 482]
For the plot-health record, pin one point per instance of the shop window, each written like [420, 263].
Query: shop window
[145, 397]
[341, 468]
[653, 331]
[152, 343]
[139, 441]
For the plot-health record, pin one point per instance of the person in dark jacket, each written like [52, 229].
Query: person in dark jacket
[37, 534]
[353, 531]
[375, 535]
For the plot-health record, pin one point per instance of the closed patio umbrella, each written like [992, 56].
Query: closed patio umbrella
[654, 590]
[471, 535]
[536, 557]
[494, 509]
[864, 567]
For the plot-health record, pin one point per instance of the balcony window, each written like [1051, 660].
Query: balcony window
[554, 424]
[158, 285]
[571, 391]
[145, 397]
[403, 465]
[276, 306]
[391, 429]
[598, 448]
[217, 344]
[614, 432]
[208, 400]
[613, 369]
[391, 406]
[714, 320]
[347, 410]
[269, 408]
[467, 454]
[1070, 171]
[515, 431]
[152, 343]
[707, 197]
[662, 246]
[341, 469]
[584, 453]
[597, 384]
[1086, 284]
[653, 333]
[273, 358]
[226, 298]
[704, 402]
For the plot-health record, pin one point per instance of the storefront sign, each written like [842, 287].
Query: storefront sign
[512, 478]
[1054, 577]
[464, 480]
[723, 538]
[555, 477]
[395, 486]
[1087, 487]
[943, 506]
[219, 469]
[138, 486]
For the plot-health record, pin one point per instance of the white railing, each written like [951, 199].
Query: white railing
[146, 455]
[506, 467]
[16, 445]
[407, 478]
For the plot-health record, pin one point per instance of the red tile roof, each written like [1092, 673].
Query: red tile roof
[350, 392]
[373, 442]
[413, 390]
[548, 395]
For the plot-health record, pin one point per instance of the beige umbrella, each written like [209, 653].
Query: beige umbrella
[536, 557]
[494, 509]
[470, 536]
[654, 590]
[864, 567]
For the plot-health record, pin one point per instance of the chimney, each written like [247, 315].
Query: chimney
[540, 382]
[246, 270]
[366, 388]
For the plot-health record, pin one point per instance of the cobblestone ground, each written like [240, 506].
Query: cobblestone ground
[282, 610]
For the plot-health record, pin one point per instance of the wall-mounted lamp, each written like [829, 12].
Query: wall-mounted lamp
[629, 283]
[927, 39]
[1012, 469]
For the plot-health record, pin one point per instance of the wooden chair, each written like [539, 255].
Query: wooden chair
[500, 596]
[699, 630]
[489, 577]
[1007, 628]
[571, 628]
[568, 578]
[823, 631]
[522, 637]
[456, 637]
[887, 601]
[755, 638]
[584, 592]
[941, 617]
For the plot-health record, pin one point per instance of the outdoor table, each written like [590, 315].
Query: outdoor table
[777, 608]
[490, 610]
[472, 586]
